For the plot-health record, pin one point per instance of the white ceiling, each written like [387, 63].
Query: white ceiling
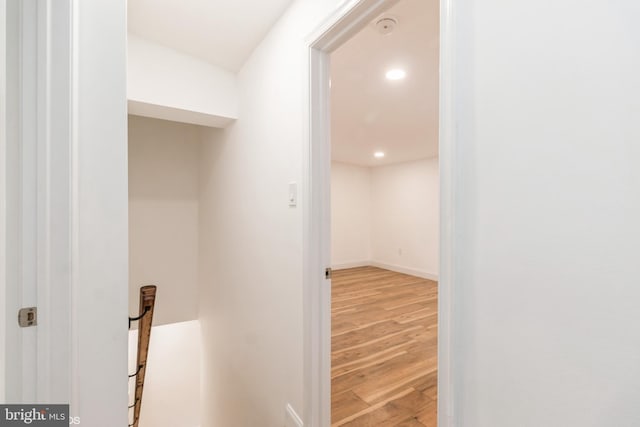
[370, 113]
[222, 32]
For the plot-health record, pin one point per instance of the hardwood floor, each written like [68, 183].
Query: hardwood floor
[384, 349]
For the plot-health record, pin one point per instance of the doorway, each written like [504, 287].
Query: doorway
[384, 220]
[318, 284]
[163, 252]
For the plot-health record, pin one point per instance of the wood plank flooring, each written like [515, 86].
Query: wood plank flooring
[383, 349]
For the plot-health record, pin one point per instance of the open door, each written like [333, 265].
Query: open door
[19, 201]
[63, 207]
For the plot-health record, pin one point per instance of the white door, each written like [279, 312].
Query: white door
[63, 206]
[19, 198]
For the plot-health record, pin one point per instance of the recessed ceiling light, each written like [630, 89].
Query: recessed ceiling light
[396, 74]
[378, 154]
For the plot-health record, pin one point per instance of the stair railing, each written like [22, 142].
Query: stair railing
[145, 320]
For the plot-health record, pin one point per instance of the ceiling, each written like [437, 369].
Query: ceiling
[221, 32]
[370, 113]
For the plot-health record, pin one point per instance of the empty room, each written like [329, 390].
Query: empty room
[385, 220]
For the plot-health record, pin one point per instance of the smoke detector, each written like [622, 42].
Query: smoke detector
[386, 24]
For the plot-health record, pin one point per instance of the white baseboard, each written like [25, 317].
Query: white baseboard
[291, 418]
[352, 264]
[405, 270]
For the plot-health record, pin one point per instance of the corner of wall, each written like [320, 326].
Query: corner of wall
[405, 270]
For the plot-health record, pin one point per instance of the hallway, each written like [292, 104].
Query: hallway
[384, 349]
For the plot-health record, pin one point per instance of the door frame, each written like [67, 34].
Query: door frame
[346, 21]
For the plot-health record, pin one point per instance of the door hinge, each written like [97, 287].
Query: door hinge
[327, 273]
[28, 317]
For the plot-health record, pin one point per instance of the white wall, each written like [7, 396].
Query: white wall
[171, 395]
[546, 298]
[163, 216]
[386, 216]
[251, 240]
[167, 84]
[351, 213]
[100, 225]
[547, 233]
[405, 217]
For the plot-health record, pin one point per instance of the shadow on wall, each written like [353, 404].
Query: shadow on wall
[163, 216]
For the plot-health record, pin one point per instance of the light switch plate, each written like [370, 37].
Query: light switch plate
[293, 194]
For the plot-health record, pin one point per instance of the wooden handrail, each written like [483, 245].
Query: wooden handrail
[147, 304]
